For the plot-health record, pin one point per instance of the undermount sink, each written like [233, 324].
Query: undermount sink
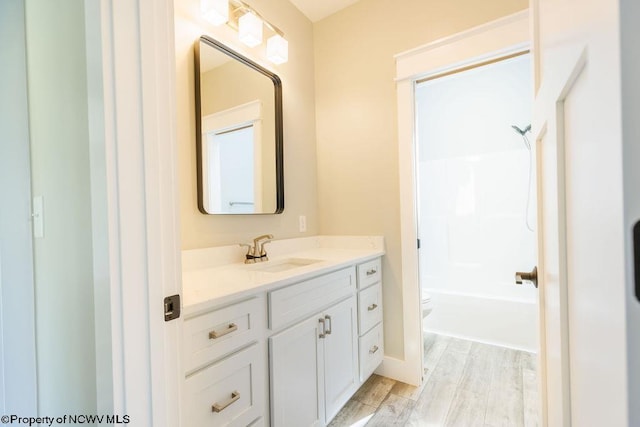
[283, 265]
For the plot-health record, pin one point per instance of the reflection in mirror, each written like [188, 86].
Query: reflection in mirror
[239, 133]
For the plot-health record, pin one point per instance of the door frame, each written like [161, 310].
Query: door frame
[488, 42]
[132, 122]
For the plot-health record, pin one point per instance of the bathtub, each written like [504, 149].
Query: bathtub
[507, 322]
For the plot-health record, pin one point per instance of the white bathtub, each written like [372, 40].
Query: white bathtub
[500, 321]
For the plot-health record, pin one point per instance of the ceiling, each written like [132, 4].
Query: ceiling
[316, 10]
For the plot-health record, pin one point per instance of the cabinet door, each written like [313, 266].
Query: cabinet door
[340, 355]
[297, 376]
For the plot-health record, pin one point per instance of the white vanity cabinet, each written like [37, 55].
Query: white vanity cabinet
[314, 362]
[225, 365]
[281, 349]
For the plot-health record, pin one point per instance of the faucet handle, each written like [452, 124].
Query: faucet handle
[250, 248]
[259, 238]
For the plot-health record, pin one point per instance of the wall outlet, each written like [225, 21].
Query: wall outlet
[302, 220]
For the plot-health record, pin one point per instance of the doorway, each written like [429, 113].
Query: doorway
[476, 220]
[476, 203]
[490, 42]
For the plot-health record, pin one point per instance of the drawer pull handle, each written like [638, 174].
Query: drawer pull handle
[329, 328]
[215, 334]
[372, 307]
[373, 350]
[219, 407]
[371, 272]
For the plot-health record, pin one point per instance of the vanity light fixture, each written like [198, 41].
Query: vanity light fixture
[250, 29]
[215, 11]
[249, 24]
[277, 49]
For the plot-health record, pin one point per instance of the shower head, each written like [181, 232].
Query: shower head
[523, 134]
[520, 131]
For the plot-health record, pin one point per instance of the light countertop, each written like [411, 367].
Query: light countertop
[206, 286]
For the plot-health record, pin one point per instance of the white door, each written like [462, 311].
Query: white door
[340, 356]
[577, 125]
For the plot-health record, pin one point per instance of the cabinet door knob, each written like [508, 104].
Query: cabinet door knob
[219, 407]
[372, 307]
[215, 334]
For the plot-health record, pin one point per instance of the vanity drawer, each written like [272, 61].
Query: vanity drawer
[222, 331]
[371, 348]
[369, 273]
[308, 297]
[228, 393]
[369, 307]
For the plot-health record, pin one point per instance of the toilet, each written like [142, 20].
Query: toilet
[427, 305]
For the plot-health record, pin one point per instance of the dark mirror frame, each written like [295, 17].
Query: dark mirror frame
[277, 90]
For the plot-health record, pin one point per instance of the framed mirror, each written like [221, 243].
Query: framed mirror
[238, 133]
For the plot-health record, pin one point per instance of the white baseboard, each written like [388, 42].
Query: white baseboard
[397, 369]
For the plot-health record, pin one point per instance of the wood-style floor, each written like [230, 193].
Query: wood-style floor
[466, 384]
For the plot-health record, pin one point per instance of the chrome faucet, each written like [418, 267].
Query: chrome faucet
[256, 253]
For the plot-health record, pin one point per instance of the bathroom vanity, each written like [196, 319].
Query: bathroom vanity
[285, 342]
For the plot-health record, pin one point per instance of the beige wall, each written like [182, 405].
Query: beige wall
[297, 77]
[358, 189]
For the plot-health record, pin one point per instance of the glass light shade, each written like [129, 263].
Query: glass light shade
[215, 11]
[277, 49]
[250, 29]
